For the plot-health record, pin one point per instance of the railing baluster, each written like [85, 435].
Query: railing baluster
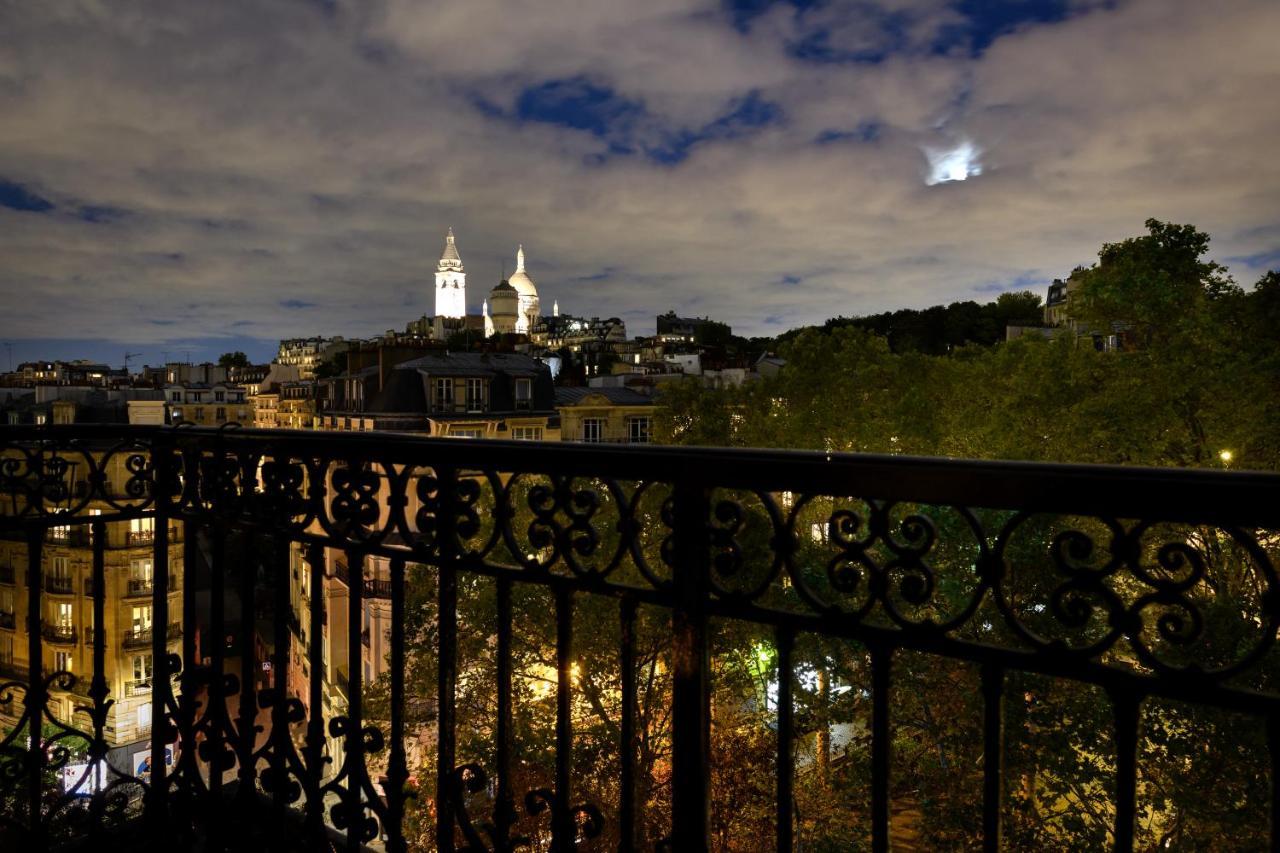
[315, 743]
[1127, 707]
[1273, 748]
[397, 768]
[785, 638]
[627, 747]
[691, 696]
[248, 717]
[446, 675]
[99, 689]
[189, 683]
[562, 828]
[157, 807]
[355, 690]
[36, 693]
[280, 734]
[881, 666]
[504, 804]
[992, 755]
[219, 713]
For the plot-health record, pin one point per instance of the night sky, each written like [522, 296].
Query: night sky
[193, 177]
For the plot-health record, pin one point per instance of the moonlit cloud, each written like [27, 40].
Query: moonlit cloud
[240, 171]
[956, 163]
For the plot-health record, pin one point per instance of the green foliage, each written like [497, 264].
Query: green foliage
[941, 329]
[1200, 375]
[233, 359]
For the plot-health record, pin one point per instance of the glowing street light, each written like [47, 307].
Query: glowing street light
[1226, 456]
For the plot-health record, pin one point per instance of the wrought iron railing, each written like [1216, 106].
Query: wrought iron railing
[59, 584]
[1090, 575]
[60, 634]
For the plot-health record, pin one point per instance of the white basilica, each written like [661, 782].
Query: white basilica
[512, 306]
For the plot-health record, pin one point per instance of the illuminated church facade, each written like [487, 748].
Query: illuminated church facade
[512, 307]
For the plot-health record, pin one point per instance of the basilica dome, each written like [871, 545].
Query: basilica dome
[520, 279]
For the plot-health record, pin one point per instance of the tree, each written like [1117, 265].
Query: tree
[1154, 285]
[233, 359]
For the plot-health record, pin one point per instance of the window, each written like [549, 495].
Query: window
[527, 433]
[638, 430]
[176, 396]
[142, 668]
[475, 395]
[6, 601]
[64, 615]
[141, 531]
[141, 619]
[444, 394]
[144, 717]
[524, 393]
[40, 418]
[219, 396]
[62, 661]
[6, 649]
[62, 533]
[198, 414]
[60, 567]
[592, 429]
[177, 414]
[220, 414]
[466, 432]
[141, 576]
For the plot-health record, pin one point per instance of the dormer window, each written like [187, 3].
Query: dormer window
[524, 393]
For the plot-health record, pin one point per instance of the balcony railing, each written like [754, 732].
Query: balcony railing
[6, 575]
[376, 588]
[1090, 578]
[136, 638]
[139, 537]
[7, 620]
[139, 587]
[59, 584]
[60, 634]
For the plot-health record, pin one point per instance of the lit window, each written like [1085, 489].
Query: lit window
[527, 433]
[62, 661]
[141, 620]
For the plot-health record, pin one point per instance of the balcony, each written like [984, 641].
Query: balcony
[139, 588]
[7, 620]
[59, 584]
[680, 588]
[6, 575]
[133, 538]
[59, 634]
[141, 638]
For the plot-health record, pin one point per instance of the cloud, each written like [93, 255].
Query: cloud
[259, 159]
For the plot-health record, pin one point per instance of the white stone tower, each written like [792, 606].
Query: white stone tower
[529, 310]
[451, 282]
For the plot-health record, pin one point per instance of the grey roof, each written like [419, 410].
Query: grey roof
[473, 364]
[617, 396]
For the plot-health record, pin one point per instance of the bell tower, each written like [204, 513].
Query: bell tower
[451, 282]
